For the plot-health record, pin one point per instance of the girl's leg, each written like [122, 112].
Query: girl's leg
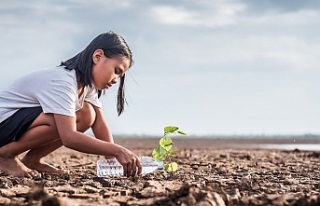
[42, 131]
[33, 158]
[41, 139]
[85, 119]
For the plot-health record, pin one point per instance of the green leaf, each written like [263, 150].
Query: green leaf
[159, 153]
[166, 142]
[155, 154]
[172, 152]
[166, 167]
[170, 129]
[171, 167]
[182, 132]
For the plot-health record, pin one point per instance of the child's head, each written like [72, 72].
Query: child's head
[112, 45]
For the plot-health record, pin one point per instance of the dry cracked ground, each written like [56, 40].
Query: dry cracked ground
[205, 177]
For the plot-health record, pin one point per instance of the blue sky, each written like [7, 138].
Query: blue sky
[230, 67]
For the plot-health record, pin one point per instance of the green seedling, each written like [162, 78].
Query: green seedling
[164, 149]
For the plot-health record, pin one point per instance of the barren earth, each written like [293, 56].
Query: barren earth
[211, 172]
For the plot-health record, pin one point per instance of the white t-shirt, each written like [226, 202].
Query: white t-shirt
[55, 90]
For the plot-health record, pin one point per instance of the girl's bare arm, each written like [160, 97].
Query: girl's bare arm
[73, 139]
[100, 127]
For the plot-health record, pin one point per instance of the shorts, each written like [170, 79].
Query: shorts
[12, 128]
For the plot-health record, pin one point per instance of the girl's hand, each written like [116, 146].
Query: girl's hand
[130, 163]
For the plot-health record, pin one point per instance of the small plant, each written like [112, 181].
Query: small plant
[164, 149]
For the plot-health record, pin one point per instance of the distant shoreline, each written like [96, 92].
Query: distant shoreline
[219, 143]
[311, 136]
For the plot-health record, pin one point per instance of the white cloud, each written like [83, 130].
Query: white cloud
[35, 6]
[106, 5]
[226, 13]
[299, 17]
[220, 13]
[175, 16]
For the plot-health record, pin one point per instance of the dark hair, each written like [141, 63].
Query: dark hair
[112, 45]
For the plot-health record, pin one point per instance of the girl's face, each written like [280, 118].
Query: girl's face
[106, 71]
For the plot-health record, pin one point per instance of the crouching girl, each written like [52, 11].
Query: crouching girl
[49, 108]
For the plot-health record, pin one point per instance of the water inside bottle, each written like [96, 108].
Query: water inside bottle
[112, 168]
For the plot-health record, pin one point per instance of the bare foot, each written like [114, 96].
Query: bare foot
[13, 166]
[41, 166]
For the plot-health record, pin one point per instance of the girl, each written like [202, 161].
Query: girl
[53, 107]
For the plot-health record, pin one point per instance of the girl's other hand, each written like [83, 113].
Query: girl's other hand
[130, 163]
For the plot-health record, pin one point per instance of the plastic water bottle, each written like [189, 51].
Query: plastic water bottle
[112, 168]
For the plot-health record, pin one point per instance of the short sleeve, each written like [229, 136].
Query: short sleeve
[92, 97]
[59, 97]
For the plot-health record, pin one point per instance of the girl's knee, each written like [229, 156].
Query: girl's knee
[85, 117]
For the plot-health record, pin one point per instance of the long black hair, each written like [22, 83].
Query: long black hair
[112, 45]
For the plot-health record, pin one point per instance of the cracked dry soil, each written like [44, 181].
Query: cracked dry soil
[205, 177]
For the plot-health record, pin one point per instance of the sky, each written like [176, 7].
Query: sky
[224, 67]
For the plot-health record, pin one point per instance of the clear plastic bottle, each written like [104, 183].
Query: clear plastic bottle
[112, 168]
